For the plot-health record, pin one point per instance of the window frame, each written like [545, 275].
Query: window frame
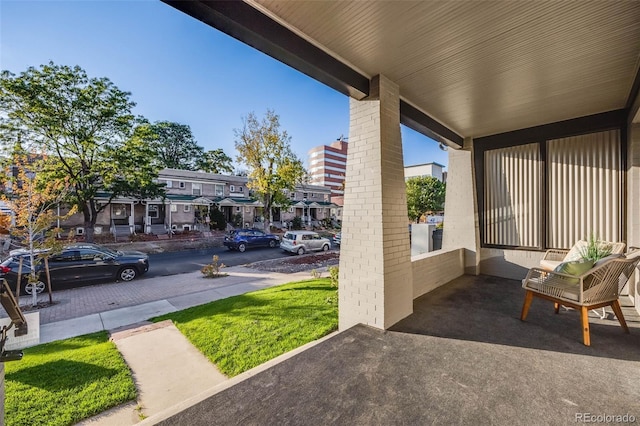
[613, 120]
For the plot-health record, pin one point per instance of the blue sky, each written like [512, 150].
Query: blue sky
[179, 69]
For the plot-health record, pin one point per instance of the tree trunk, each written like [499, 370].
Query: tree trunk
[90, 216]
[88, 232]
[267, 213]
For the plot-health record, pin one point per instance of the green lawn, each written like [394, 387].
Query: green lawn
[241, 332]
[63, 382]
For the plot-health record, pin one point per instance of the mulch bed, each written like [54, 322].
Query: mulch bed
[294, 263]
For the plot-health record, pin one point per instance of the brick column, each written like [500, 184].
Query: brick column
[375, 262]
[461, 209]
[633, 201]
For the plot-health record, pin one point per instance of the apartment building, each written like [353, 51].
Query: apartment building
[191, 195]
[310, 202]
[426, 169]
[327, 166]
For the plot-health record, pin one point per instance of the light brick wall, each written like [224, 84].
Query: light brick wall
[375, 265]
[461, 209]
[633, 205]
[431, 270]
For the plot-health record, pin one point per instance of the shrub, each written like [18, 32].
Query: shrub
[213, 269]
[326, 222]
[218, 220]
[334, 273]
[237, 220]
[296, 223]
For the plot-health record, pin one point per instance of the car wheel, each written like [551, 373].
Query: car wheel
[325, 247]
[272, 243]
[39, 287]
[242, 247]
[127, 274]
[301, 250]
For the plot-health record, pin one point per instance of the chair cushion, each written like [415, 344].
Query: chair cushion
[555, 287]
[608, 258]
[576, 268]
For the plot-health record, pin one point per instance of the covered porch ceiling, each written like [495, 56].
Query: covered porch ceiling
[465, 69]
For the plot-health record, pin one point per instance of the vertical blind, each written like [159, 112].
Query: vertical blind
[512, 196]
[585, 188]
[583, 193]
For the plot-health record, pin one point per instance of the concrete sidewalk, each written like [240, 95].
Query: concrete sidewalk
[166, 368]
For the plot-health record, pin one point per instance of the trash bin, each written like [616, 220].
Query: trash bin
[437, 238]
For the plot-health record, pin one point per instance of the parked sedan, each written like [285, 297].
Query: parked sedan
[301, 242]
[77, 263]
[242, 239]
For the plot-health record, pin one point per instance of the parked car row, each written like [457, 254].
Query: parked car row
[75, 263]
[298, 242]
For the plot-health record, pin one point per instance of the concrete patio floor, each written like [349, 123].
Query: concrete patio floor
[463, 357]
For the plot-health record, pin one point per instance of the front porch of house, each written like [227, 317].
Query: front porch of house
[463, 357]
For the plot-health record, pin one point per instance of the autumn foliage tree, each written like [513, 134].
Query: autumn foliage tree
[272, 165]
[34, 201]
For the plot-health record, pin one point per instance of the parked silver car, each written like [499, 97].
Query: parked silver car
[301, 242]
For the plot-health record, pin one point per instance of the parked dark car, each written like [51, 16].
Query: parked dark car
[242, 239]
[76, 263]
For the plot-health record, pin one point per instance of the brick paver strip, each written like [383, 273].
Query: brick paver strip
[97, 298]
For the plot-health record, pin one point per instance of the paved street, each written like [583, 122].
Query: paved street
[170, 263]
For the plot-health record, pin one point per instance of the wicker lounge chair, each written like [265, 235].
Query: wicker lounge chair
[597, 288]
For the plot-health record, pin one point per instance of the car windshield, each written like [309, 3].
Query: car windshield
[289, 236]
[110, 251]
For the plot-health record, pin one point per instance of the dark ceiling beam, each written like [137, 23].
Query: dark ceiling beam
[557, 130]
[247, 24]
[633, 101]
[422, 123]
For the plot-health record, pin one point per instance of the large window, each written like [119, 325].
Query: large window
[512, 196]
[551, 194]
[585, 188]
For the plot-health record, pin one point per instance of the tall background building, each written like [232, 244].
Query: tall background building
[427, 169]
[327, 166]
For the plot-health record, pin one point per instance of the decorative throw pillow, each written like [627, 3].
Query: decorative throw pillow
[576, 251]
[575, 268]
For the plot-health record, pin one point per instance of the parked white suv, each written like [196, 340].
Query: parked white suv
[301, 242]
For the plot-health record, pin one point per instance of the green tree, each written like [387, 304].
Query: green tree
[86, 128]
[424, 194]
[174, 145]
[215, 161]
[272, 165]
